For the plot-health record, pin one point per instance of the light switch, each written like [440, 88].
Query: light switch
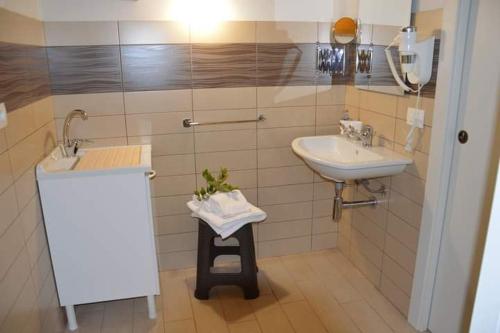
[3, 115]
[415, 117]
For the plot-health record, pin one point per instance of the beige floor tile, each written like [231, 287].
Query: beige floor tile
[118, 316]
[176, 301]
[270, 315]
[334, 282]
[303, 318]
[298, 268]
[331, 314]
[282, 284]
[365, 317]
[245, 327]
[181, 326]
[234, 305]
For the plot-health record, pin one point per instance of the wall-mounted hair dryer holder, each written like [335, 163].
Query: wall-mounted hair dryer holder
[415, 57]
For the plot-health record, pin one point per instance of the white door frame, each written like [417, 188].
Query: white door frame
[448, 87]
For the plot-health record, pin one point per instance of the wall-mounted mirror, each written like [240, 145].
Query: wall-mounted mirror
[344, 30]
[379, 22]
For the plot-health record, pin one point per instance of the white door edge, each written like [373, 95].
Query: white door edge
[448, 89]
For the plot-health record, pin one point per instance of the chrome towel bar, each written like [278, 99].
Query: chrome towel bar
[189, 123]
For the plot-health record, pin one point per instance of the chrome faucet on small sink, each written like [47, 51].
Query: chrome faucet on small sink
[70, 146]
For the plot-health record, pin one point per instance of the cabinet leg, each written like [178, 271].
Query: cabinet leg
[151, 307]
[70, 314]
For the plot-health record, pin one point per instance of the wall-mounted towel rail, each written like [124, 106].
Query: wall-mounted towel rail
[189, 123]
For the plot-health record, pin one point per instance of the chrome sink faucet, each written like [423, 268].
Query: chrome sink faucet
[365, 135]
[71, 145]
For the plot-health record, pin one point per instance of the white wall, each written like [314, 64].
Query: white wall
[245, 10]
[29, 8]
[422, 5]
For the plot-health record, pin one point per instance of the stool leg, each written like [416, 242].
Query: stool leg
[203, 262]
[248, 263]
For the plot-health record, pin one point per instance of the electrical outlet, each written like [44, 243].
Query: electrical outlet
[3, 115]
[415, 117]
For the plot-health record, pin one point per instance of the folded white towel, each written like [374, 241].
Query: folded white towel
[225, 226]
[228, 204]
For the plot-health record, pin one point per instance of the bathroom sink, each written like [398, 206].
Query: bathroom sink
[337, 158]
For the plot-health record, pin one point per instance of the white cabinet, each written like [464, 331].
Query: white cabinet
[99, 226]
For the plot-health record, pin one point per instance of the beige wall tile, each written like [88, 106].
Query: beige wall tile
[384, 34]
[81, 33]
[13, 282]
[329, 115]
[176, 224]
[410, 186]
[287, 32]
[95, 127]
[287, 117]
[383, 126]
[8, 206]
[331, 95]
[419, 166]
[19, 29]
[284, 246]
[157, 123]
[43, 111]
[173, 185]
[104, 142]
[285, 176]
[173, 205]
[421, 140]
[11, 243]
[31, 216]
[224, 98]
[324, 190]
[158, 101]
[288, 211]
[153, 32]
[225, 115]
[327, 130]
[402, 231]
[400, 254]
[395, 295]
[3, 141]
[281, 230]
[286, 96]
[167, 144]
[232, 160]
[95, 104]
[225, 141]
[352, 96]
[405, 209]
[174, 165]
[380, 103]
[177, 242]
[397, 275]
[225, 32]
[324, 225]
[427, 104]
[324, 241]
[281, 137]
[285, 194]
[20, 313]
[243, 179]
[26, 188]
[6, 177]
[277, 157]
[21, 124]
[322, 208]
[429, 22]
[370, 230]
[361, 244]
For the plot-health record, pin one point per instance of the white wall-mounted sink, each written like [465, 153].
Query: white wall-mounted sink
[338, 158]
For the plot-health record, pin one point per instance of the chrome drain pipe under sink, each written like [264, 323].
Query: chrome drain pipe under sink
[339, 203]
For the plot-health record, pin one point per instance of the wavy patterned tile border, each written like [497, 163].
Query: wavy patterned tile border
[85, 69]
[24, 75]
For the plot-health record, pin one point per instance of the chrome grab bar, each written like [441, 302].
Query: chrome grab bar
[189, 122]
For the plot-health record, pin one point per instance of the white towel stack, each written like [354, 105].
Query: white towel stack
[226, 212]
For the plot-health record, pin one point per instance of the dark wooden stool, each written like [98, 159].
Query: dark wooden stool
[208, 251]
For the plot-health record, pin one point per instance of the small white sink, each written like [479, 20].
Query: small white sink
[338, 158]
